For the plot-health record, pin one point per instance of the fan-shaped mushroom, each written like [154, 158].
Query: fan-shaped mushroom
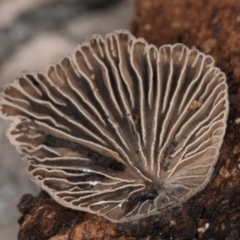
[120, 128]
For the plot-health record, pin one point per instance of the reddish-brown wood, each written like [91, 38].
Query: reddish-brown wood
[212, 26]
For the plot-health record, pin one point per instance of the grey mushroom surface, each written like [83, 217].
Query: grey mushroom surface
[120, 128]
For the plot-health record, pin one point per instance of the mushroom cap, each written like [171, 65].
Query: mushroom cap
[120, 128]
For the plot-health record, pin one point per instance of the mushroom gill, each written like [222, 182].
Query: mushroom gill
[120, 128]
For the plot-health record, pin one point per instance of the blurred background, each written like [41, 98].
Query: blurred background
[34, 34]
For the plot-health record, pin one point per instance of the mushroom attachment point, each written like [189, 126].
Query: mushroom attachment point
[120, 128]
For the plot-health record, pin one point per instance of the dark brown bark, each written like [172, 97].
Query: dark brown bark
[212, 26]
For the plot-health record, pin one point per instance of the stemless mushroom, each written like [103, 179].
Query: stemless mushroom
[120, 128]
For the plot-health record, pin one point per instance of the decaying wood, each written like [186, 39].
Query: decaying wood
[213, 27]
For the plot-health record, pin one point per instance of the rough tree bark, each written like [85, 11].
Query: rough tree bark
[212, 26]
